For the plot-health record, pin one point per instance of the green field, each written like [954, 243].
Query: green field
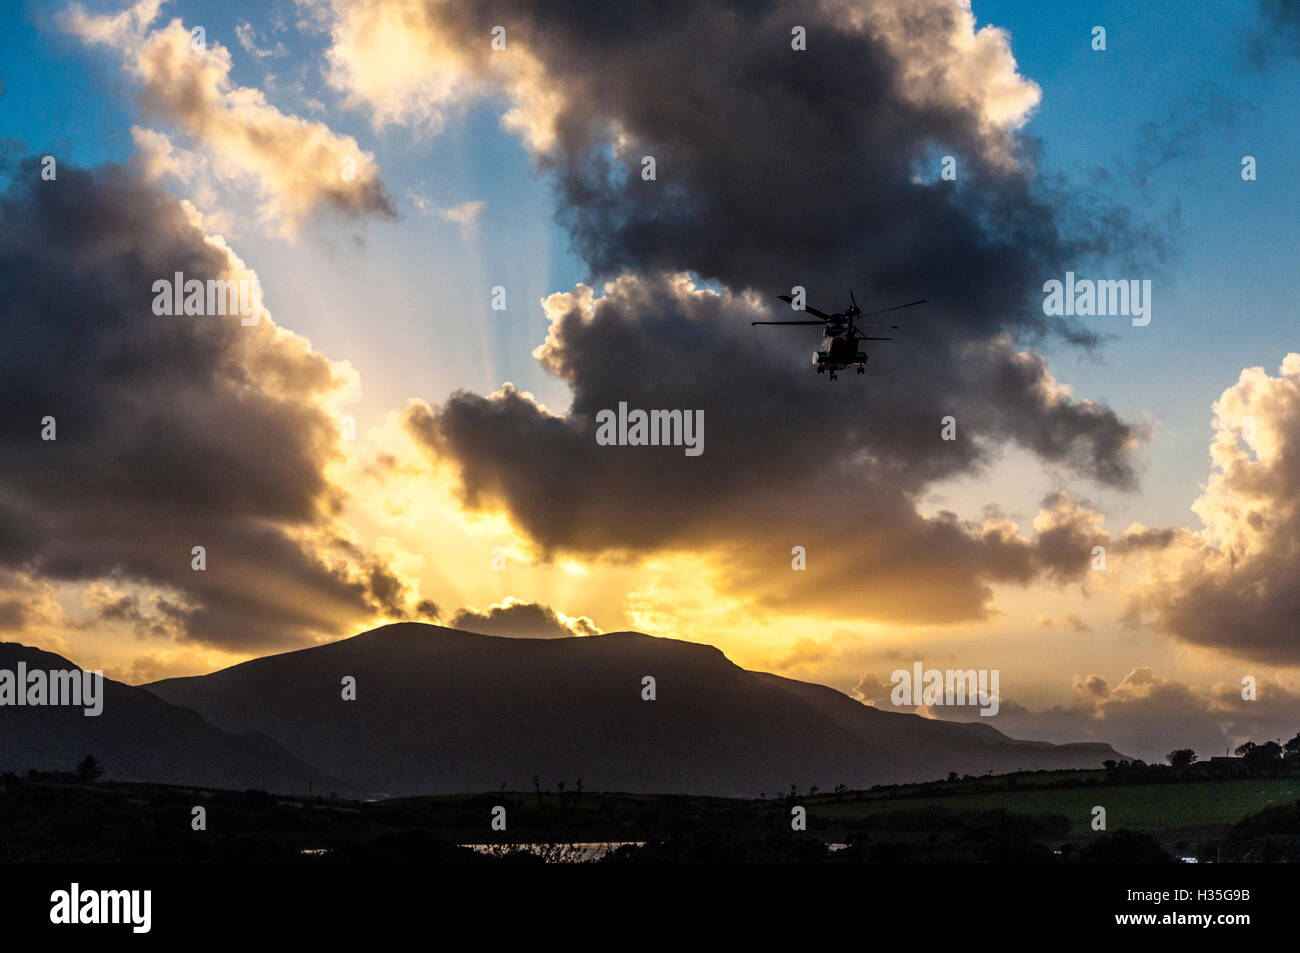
[1148, 807]
[63, 819]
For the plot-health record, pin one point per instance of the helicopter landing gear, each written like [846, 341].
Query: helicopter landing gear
[862, 370]
[832, 375]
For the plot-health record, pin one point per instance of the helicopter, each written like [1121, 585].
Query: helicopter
[841, 334]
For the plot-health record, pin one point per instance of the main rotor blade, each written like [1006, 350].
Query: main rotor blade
[818, 323]
[811, 310]
[897, 307]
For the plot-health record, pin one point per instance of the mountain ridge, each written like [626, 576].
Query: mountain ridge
[440, 710]
[141, 737]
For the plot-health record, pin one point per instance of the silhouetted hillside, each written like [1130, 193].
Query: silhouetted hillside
[440, 710]
[138, 737]
[962, 742]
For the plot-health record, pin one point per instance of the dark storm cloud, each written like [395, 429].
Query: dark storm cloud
[798, 462]
[790, 430]
[172, 432]
[774, 167]
[517, 619]
[1067, 533]
[777, 167]
[13, 614]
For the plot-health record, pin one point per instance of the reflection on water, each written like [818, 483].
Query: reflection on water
[556, 853]
[551, 853]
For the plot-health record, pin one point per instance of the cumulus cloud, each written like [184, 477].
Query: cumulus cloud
[155, 666]
[870, 690]
[516, 618]
[296, 166]
[26, 602]
[148, 618]
[1235, 585]
[171, 432]
[415, 62]
[421, 64]
[1143, 715]
[735, 119]
[787, 461]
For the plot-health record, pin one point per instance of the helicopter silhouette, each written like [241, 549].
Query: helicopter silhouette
[841, 334]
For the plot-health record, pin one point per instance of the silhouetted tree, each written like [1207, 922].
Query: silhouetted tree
[89, 768]
[1181, 757]
[1124, 847]
[1265, 755]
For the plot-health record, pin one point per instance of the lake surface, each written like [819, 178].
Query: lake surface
[557, 853]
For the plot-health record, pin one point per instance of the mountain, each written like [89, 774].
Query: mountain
[922, 740]
[439, 710]
[139, 737]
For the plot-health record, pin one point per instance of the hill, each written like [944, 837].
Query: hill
[439, 710]
[139, 737]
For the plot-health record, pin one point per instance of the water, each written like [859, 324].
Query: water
[579, 853]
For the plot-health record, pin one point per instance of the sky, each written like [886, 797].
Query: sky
[385, 444]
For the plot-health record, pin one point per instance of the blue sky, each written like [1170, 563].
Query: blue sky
[1235, 243]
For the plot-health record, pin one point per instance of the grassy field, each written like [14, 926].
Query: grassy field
[1147, 807]
[1030, 816]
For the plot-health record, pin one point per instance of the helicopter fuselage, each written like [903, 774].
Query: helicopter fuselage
[841, 335]
[839, 351]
